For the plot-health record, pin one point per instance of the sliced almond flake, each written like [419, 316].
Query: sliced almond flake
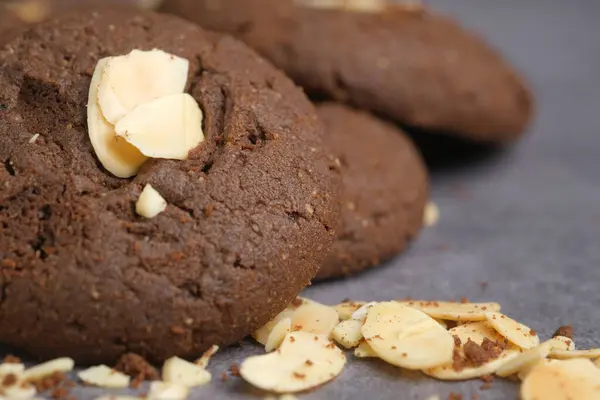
[167, 391]
[407, 337]
[185, 373]
[576, 379]
[204, 360]
[63, 364]
[361, 313]
[364, 351]
[453, 311]
[431, 214]
[517, 333]
[315, 318]
[345, 310]
[262, 334]
[34, 138]
[348, 333]
[104, 376]
[278, 333]
[568, 354]
[11, 368]
[525, 361]
[477, 332]
[19, 391]
[569, 344]
[303, 361]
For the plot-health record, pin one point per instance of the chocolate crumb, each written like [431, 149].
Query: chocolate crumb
[346, 300]
[309, 363]
[299, 375]
[565, 330]
[136, 367]
[49, 382]
[532, 332]
[9, 380]
[475, 396]
[487, 378]
[224, 376]
[59, 393]
[464, 300]
[234, 369]
[297, 302]
[455, 396]
[486, 386]
[10, 359]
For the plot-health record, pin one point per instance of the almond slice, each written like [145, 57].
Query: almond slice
[348, 333]
[345, 310]
[569, 344]
[262, 334]
[562, 379]
[104, 376]
[406, 337]
[453, 311]
[150, 203]
[476, 332]
[167, 127]
[278, 333]
[11, 368]
[116, 155]
[18, 391]
[167, 391]
[364, 351]
[137, 78]
[177, 370]
[205, 358]
[303, 361]
[63, 364]
[431, 215]
[568, 354]
[514, 331]
[361, 313]
[525, 361]
[315, 318]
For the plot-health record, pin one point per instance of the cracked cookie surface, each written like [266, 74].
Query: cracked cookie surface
[81, 274]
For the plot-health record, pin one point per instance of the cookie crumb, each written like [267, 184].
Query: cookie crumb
[224, 376]
[234, 369]
[136, 367]
[565, 330]
[455, 396]
[10, 359]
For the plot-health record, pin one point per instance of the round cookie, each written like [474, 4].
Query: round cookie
[249, 217]
[415, 66]
[385, 189]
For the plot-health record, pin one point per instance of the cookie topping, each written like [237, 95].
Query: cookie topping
[103, 376]
[137, 109]
[177, 370]
[565, 330]
[150, 203]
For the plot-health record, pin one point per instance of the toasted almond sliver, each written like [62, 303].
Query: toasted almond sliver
[364, 351]
[525, 361]
[262, 334]
[185, 373]
[63, 364]
[205, 358]
[562, 379]
[278, 333]
[477, 332]
[167, 391]
[361, 313]
[348, 333]
[136, 78]
[514, 331]
[407, 337]
[315, 318]
[568, 354]
[11, 368]
[345, 310]
[453, 311]
[104, 376]
[303, 361]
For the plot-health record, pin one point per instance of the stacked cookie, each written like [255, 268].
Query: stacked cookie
[165, 188]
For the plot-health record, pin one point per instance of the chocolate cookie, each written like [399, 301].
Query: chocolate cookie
[385, 189]
[249, 217]
[417, 67]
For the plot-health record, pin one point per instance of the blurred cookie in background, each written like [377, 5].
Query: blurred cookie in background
[385, 189]
[16, 15]
[400, 60]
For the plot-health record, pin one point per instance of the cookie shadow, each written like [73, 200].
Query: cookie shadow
[448, 153]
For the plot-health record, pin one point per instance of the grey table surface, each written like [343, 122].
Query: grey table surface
[525, 220]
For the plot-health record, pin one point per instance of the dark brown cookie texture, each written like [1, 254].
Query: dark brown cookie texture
[415, 66]
[385, 189]
[249, 216]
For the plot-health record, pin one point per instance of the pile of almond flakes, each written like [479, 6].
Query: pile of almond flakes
[445, 340]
